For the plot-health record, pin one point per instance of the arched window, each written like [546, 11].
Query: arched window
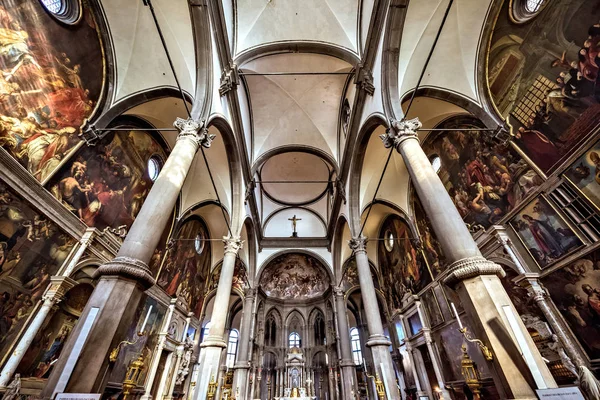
[205, 331]
[271, 332]
[320, 337]
[294, 340]
[355, 343]
[234, 336]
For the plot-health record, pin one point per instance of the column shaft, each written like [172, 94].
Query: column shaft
[242, 365]
[378, 343]
[111, 307]
[346, 362]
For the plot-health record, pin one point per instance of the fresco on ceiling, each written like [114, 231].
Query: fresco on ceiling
[401, 264]
[48, 343]
[543, 75]
[431, 246]
[106, 185]
[240, 277]
[350, 276]
[575, 290]
[294, 276]
[585, 174]
[484, 178]
[50, 83]
[185, 271]
[562, 368]
[152, 313]
[32, 249]
[544, 233]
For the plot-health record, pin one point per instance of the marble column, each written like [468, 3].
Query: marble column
[162, 337]
[84, 242]
[212, 347]
[444, 394]
[170, 385]
[475, 279]
[242, 365]
[378, 342]
[413, 367]
[84, 364]
[348, 368]
[54, 294]
[540, 296]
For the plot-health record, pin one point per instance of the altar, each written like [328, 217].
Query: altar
[295, 394]
[295, 374]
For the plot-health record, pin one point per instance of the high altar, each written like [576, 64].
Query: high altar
[294, 366]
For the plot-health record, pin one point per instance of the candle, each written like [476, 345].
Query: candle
[457, 317]
[146, 320]
[364, 363]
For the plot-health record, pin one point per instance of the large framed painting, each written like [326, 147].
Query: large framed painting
[430, 301]
[486, 179]
[52, 81]
[575, 290]
[401, 263]
[544, 233]
[543, 75]
[32, 249]
[434, 256]
[585, 174]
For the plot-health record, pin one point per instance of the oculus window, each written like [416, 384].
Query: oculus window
[154, 166]
[66, 11]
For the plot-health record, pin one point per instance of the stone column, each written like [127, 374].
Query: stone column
[413, 367]
[378, 343]
[242, 365]
[432, 354]
[162, 336]
[346, 363]
[475, 279]
[83, 245]
[213, 345]
[170, 386]
[54, 294]
[540, 296]
[84, 365]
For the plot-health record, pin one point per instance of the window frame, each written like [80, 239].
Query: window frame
[70, 11]
[355, 346]
[294, 340]
[232, 346]
[520, 10]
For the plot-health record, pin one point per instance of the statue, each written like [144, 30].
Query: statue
[13, 388]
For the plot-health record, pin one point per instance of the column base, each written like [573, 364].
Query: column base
[378, 340]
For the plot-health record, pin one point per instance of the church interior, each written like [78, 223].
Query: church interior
[319, 199]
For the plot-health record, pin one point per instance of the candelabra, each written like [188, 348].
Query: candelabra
[487, 353]
[471, 374]
[132, 376]
[212, 388]
[379, 386]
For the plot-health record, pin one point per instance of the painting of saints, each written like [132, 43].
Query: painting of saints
[431, 246]
[585, 174]
[551, 101]
[485, 178]
[402, 265]
[544, 233]
[240, 277]
[32, 249]
[575, 290]
[49, 84]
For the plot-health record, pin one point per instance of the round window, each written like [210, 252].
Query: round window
[154, 166]
[388, 240]
[533, 6]
[199, 244]
[66, 11]
[523, 10]
[436, 163]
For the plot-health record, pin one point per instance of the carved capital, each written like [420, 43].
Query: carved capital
[230, 79]
[358, 244]
[232, 244]
[59, 286]
[338, 291]
[400, 131]
[536, 291]
[127, 267]
[364, 79]
[250, 293]
[190, 129]
[470, 268]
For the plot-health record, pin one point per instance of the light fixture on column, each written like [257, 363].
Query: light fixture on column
[487, 353]
[471, 374]
[132, 376]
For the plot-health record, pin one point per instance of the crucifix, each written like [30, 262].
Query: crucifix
[294, 221]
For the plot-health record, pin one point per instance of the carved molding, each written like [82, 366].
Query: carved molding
[364, 79]
[400, 131]
[230, 79]
[128, 267]
[471, 267]
[358, 244]
[195, 131]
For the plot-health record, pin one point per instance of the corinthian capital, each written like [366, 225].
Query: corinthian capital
[358, 244]
[194, 130]
[232, 244]
[471, 267]
[400, 131]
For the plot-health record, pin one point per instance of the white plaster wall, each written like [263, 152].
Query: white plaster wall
[309, 226]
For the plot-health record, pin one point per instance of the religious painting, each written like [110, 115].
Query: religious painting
[240, 277]
[401, 264]
[544, 233]
[350, 275]
[542, 74]
[185, 272]
[148, 321]
[485, 178]
[294, 276]
[429, 300]
[51, 81]
[585, 174]
[105, 185]
[575, 290]
[432, 249]
[32, 249]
